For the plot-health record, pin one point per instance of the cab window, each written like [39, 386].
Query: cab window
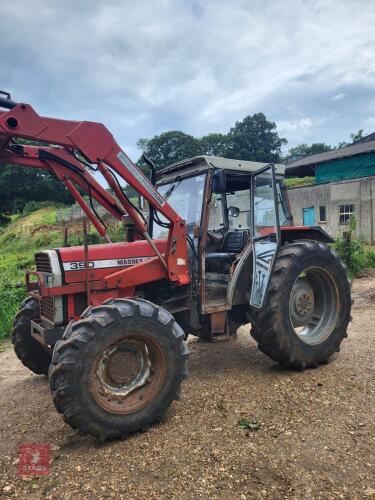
[241, 200]
[215, 212]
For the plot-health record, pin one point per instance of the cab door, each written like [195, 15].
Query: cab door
[265, 232]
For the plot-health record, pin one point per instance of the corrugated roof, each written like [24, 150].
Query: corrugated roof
[352, 150]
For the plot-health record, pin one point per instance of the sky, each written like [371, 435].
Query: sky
[142, 67]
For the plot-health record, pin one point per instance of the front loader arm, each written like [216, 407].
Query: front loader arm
[34, 157]
[97, 145]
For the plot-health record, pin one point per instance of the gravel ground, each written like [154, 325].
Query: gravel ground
[316, 440]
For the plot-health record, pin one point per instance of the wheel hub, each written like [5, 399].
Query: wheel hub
[123, 368]
[128, 373]
[301, 302]
[313, 305]
[304, 302]
[124, 365]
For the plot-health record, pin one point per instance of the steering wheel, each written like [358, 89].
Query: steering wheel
[214, 236]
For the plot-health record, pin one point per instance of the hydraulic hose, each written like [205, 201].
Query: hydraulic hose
[152, 212]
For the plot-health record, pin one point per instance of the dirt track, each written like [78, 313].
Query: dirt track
[317, 435]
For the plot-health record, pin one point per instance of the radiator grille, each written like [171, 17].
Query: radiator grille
[47, 308]
[47, 305]
[43, 263]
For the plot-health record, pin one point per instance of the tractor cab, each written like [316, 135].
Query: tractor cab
[215, 197]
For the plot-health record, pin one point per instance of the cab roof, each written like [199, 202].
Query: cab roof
[205, 162]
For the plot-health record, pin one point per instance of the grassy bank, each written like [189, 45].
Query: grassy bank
[19, 240]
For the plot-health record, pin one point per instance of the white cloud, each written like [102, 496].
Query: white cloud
[300, 129]
[143, 67]
[301, 124]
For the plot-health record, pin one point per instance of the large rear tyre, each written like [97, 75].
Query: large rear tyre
[308, 306]
[119, 368]
[28, 350]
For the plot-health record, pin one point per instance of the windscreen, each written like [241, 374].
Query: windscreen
[185, 197]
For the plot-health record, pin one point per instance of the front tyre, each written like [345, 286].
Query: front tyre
[119, 368]
[308, 306]
[28, 350]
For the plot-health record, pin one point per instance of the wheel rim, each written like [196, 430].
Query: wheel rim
[128, 373]
[314, 305]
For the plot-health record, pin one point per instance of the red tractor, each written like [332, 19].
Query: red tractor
[108, 322]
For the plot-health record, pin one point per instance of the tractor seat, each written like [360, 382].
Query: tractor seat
[232, 245]
[222, 256]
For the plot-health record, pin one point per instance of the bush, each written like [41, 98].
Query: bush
[33, 206]
[299, 181]
[10, 301]
[4, 219]
[93, 238]
[351, 251]
[25, 262]
[370, 257]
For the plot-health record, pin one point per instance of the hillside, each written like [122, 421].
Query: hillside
[19, 241]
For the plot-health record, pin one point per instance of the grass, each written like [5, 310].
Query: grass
[9, 304]
[21, 239]
[299, 181]
[249, 424]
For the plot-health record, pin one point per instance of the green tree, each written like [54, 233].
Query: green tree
[169, 147]
[214, 144]
[255, 138]
[356, 136]
[19, 185]
[309, 149]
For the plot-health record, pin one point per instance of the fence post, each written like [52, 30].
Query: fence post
[66, 244]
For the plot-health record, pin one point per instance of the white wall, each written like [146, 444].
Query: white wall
[359, 192]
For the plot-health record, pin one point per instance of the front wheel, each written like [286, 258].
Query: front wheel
[28, 350]
[119, 368]
[308, 306]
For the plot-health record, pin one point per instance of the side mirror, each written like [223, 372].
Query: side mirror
[233, 211]
[218, 181]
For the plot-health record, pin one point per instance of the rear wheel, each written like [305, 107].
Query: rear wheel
[308, 306]
[119, 368]
[28, 350]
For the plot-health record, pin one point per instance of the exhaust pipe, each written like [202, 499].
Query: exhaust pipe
[6, 102]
